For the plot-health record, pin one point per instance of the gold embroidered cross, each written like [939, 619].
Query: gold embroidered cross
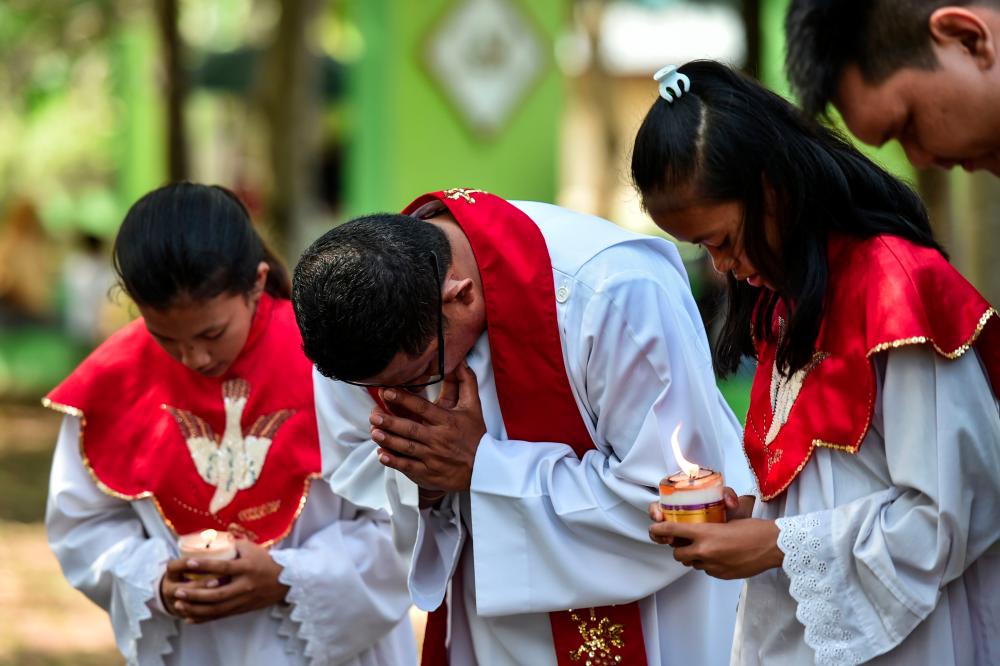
[599, 641]
[457, 193]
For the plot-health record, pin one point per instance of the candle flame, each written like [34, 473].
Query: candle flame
[209, 536]
[687, 467]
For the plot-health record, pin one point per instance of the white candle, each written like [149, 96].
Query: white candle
[206, 545]
[679, 489]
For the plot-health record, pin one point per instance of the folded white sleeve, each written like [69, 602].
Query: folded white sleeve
[347, 585]
[105, 553]
[551, 530]
[350, 461]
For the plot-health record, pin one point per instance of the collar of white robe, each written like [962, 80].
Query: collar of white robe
[673, 84]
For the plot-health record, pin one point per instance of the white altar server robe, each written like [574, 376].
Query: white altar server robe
[891, 554]
[541, 530]
[347, 602]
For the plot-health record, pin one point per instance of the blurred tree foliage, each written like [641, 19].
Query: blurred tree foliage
[58, 120]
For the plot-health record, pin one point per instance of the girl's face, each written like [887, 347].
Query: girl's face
[206, 335]
[717, 227]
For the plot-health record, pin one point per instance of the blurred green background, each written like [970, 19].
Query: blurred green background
[312, 111]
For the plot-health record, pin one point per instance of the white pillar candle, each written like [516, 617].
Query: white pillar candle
[206, 545]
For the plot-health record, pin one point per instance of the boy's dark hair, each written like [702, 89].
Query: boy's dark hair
[879, 36]
[195, 241]
[722, 142]
[366, 290]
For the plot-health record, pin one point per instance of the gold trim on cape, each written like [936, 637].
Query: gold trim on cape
[921, 339]
[146, 494]
[893, 344]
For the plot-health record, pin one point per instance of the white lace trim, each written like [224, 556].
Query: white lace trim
[288, 629]
[813, 590]
[302, 621]
[138, 587]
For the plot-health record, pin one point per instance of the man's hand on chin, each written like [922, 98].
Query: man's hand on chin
[436, 448]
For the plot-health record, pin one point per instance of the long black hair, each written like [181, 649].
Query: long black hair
[729, 139]
[194, 241]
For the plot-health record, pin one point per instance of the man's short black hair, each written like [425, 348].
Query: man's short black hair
[366, 290]
[879, 36]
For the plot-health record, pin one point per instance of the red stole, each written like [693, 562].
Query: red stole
[150, 427]
[535, 396]
[884, 292]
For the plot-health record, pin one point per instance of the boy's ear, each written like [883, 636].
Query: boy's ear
[951, 26]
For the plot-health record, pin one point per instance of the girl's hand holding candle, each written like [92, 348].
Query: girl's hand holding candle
[692, 516]
[237, 576]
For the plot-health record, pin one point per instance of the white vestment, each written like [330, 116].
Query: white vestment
[541, 530]
[347, 601]
[891, 554]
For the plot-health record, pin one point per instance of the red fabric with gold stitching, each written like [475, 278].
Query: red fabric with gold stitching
[884, 292]
[533, 389]
[134, 446]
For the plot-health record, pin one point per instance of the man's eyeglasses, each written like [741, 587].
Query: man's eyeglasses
[436, 378]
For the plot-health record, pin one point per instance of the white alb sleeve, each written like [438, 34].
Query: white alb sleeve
[865, 574]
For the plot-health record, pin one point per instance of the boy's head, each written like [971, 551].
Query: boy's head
[923, 72]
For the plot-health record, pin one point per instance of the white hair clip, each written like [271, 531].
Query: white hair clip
[671, 82]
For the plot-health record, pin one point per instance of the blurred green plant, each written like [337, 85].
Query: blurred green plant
[59, 122]
[35, 359]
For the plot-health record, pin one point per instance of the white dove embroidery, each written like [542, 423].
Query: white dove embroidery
[785, 390]
[234, 461]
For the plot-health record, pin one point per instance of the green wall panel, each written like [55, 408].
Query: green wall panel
[408, 138]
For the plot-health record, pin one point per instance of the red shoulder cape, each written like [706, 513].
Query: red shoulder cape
[885, 292]
[150, 427]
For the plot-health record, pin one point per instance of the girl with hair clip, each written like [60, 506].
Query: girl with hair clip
[873, 430]
[199, 416]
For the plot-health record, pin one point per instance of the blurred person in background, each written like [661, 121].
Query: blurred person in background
[200, 416]
[87, 279]
[26, 267]
[873, 423]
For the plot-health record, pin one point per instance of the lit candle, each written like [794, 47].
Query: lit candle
[206, 545]
[693, 494]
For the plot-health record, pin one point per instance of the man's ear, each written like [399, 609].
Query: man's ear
[965, 28]
[458, 291]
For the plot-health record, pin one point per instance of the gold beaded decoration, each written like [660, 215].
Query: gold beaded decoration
[600, 640]
[259, 511]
